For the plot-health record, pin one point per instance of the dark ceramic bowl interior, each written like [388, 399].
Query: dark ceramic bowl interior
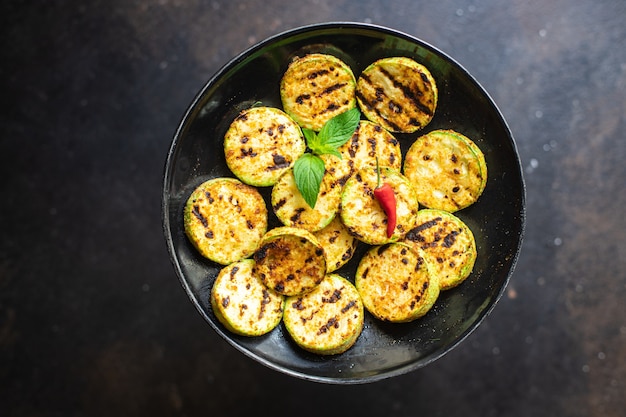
[383, 350]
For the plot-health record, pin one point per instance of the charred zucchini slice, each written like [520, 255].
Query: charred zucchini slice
[317, 87]
[339, 245]
[242, 303]
[447, 169]
[448, 245]
[395, 283]
[261, 144]
[369, 142]
[225, 198]
[362, 214]
[290, 261]
[397, 93]
[292, 210]
[327, 320]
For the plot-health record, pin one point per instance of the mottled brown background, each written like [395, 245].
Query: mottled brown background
[93, 321]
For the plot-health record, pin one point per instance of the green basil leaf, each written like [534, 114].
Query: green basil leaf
[340, 128]
[308, 172]
[312, 139]
[326, 149]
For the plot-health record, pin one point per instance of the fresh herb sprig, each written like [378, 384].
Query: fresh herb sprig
[309, 168]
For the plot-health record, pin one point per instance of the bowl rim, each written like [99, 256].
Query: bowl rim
[165, 194]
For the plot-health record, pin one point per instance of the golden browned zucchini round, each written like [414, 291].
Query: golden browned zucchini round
[242, 303]
[395, 283]
[290, 261]
[362, 214]
[448, 245]
[339, 245]
[225, 198]
[397, 93]
[317, 87]
[327, 320]
[261, 144]
[292, 210]
[447, 170]
[368, 143]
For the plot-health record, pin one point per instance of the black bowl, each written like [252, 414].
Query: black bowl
[497, 219]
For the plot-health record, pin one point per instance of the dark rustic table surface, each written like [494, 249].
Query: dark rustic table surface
[93, 320]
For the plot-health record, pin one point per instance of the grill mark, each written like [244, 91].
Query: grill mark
[370, 106]
[296, 216]
[332, 88]
[336, 295]
[409, 94]
[200, 216]
[300, 99]
[426, 225]
[279, 162]
[266, 300]
[316, 74]
[332, 322]
[348, 306]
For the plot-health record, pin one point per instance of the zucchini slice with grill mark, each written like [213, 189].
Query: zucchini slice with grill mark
[339, 245]
[317, 87]
[327, 320]
[396, 283]
[225, 198]
[448, 245]
[362, 214]
[397, 93]
[242, 303]
[290, 261]
[261, 144]
[369, 141]
[292, 210]
[447, 169]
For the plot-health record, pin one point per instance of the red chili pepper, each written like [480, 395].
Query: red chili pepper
[387, 199]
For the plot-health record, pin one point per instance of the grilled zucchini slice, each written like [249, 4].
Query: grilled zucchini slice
[339, 245]
[242, 303]
[362, 214]
[292, 210]
[317, 87]
[397, 93]
[447, 169]
[261, 144]
[369, 142]
[448, 245]
[290, 261]
[327, 320]
[225, 198]
[395, 283]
